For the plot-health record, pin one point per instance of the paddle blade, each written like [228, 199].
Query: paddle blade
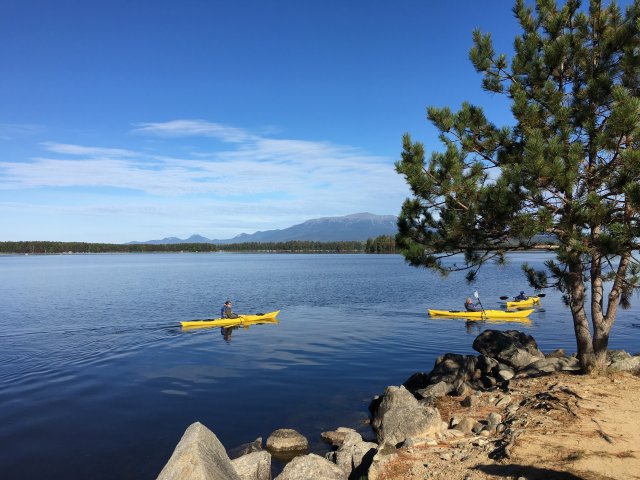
[504, 298]
[475, 294]
[541, 295]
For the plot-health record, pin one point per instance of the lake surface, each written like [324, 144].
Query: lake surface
[97, 379]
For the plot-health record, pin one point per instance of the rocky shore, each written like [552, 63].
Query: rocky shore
[509, 412]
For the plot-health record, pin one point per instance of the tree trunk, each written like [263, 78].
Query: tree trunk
[598, 321]
[580, 320]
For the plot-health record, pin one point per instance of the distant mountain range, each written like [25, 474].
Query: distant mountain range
[356, 227]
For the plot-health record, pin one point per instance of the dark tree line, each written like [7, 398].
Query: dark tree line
[381, 244]
[37, 247]
[295, 246]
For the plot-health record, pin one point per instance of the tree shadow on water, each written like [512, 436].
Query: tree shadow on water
[528, 472]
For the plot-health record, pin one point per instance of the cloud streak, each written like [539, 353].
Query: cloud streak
[194, 128]
[256, 165]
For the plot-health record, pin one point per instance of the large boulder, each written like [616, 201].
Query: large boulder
[286, 440]
[355, 455]
[199, 456]
[309, 467]
[514, 348]
[401, 416]
[253, 466]
[452, 367]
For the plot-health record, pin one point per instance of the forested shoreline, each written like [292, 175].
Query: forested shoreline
[382, 244]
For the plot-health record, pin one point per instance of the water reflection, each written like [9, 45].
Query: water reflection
[226, 333]
[473, 327]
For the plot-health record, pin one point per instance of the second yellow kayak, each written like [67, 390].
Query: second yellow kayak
[487, 314]
[523, 303]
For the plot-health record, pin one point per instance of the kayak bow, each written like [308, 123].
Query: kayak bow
[231, 322]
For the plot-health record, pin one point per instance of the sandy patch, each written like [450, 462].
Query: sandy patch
[565, 427]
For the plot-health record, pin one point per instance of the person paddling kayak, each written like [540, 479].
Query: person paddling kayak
[522, 296]
[471, 307]
[227, 312]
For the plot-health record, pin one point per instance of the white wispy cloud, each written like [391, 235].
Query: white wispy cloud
[252, 182]
[194, 128]
[80, 150]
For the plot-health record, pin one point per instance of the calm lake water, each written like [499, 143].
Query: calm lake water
[97, 379]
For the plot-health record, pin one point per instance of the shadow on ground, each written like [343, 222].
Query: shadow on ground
[531, 473]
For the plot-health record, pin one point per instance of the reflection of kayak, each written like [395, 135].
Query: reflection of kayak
[487, 314]
[523, 303]
[231, 322]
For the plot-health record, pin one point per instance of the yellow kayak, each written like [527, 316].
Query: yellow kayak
[523, 303]
[232, 322]
[486, 315]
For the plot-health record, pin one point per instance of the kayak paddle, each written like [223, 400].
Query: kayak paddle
[475, 294]
[540, 295]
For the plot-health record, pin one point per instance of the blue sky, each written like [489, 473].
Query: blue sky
[124, 120]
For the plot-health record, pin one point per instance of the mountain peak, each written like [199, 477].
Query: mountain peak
[354, 227]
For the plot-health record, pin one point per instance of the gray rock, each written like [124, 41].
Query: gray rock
[617, 355]
[512, 347]
[414, 442]
[401, 416]
[505, 373]
[471, 401]
[558, 353]
[253, 466]
[435, 390]
[461, 387]
[503, 401]
[386, 454]
[336, 437]
[486, 364]
[549, 365]
[416, 381]
[245, 448]
[478, 427]
[466, 425]
[494, 419]
[488, 381]
[287, 440]
[309, 467]
[631, 364]
[355, 455]
[451, 367]
[199, 456]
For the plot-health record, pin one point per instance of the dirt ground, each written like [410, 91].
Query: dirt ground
[560, 426]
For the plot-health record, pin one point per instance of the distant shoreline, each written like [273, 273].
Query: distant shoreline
[382, 244]
[297, 252]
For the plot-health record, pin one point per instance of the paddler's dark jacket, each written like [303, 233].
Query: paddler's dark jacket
[228, 313]
[471, 307]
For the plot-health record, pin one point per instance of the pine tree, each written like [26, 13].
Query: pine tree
[569, 165]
